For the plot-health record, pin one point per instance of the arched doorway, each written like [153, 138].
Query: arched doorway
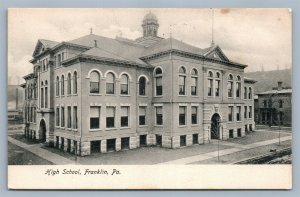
[215, 126]
[42, 131]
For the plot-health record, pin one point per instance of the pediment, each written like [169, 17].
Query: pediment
[39, 48]
[217, 53]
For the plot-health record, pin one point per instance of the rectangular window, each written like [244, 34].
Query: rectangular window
[124, 116]
[142, 115]
[245, 112]
[238, 113]
[217, 87]
[94, 117]
[195, 139]
[46, 97]
[42, 97]
[75, 119]
[57, 116]
[230, 113]
[209, 86]
[181, 85]
[238, 89]
[194, 86]
[62, 122]
[110, 88]
[34, 116]
[58, 59]
[94, 87]
[194, 115]
[182, 115]
[110, 117]
[159, 115]
[69, 125]
[229, 88]
[159, 90]
[250, 111]
[231, 133]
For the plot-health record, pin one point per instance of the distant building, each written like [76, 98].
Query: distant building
[274, 107]
[97, 94]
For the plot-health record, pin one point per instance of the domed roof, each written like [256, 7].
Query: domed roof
[150, 17]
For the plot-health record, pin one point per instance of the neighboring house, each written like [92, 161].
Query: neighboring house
[274, 107]
[97, 94]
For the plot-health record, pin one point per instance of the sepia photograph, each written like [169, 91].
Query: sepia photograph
[154, 87]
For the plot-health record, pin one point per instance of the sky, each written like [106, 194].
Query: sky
[259, 38]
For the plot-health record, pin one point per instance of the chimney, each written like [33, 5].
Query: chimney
[95, 43]
[17, 98]
[279, 85]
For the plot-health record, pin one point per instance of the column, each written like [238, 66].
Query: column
[189, 140]
[65, 144]
[118, 144]
[175, 142]
[103, 146]
[132, 143]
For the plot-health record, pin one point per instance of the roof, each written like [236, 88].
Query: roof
[111, 48]
[171, 43]
[132, 52]
[250, 80]
[283, 91]
[48, 43]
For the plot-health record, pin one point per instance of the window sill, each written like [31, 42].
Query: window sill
[158, 96]
[125, 95]
[112, 128]
[143, 96]
[182, 126]
[95, 130]
[75, 130]
[195, 96]
[124, 128]
[69, 129]
[141, 126]
[62, 127]
[110, 95]
[74, 94]
[158, 125]
[194, 125]
[94, 94]
[183, 95]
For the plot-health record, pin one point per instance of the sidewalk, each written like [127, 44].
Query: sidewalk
[37, 150]
[237, 148]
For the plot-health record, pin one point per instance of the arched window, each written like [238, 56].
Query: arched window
[124, 87]
[238, 87]
[158, 82]
[110, 83]
[194, 81]
[230, 86]
[182, 77]
[69, 84]
[245, 93]
[62, 85]
[57, 86]
[75, 83]
[217, 84]
[250, 93]
[94, 82]
[142, 86]
[210, 84]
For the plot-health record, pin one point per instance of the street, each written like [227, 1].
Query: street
[25, 152]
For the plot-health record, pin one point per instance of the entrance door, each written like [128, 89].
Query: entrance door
[215, 130]
[42, 131]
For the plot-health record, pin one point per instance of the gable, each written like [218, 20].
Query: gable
[216, 53]
[39, 48]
